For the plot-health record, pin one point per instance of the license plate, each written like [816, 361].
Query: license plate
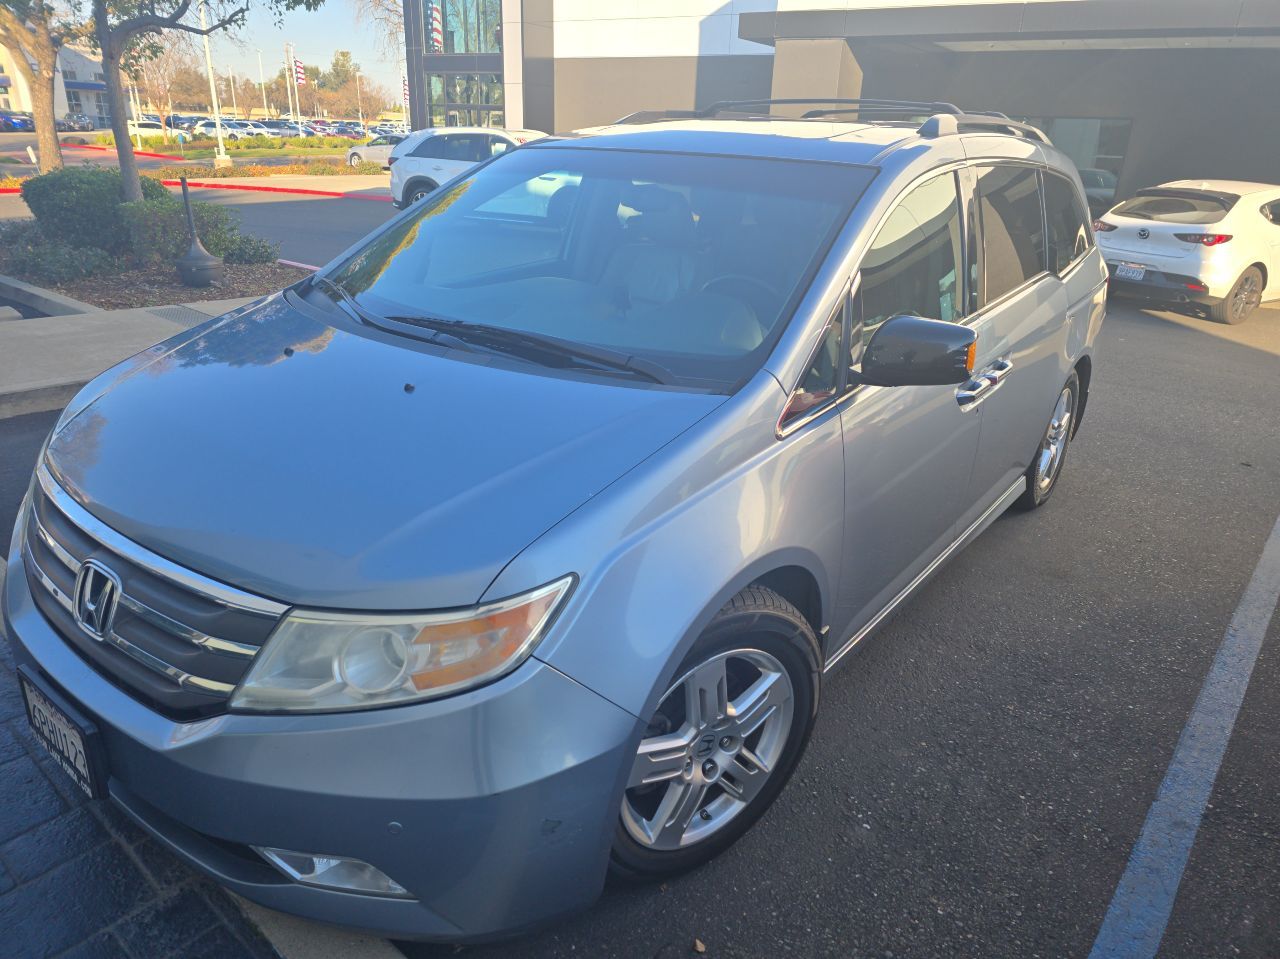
[70, 739]
[1125, 271]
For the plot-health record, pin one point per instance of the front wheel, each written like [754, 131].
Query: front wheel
[724, 740]
[1046, 465]
[354, 160]
[1242, 300]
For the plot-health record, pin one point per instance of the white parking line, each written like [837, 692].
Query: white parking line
[1139, 910]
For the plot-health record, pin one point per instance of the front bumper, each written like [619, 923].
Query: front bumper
[494, 809]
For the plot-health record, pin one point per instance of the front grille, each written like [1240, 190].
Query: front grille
[179, 642]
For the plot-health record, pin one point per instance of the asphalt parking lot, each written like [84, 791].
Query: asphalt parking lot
[982, 768]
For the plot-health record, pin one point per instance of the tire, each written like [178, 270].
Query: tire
[1243, 299]
[418, 191]
[768, 658]
[1051, 455]
[354, 160]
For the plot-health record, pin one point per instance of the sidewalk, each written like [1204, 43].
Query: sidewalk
[44, 361]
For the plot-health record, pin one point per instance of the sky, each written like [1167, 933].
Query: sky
[315, 35]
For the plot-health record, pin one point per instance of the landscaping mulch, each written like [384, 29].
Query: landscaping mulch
[161, 287]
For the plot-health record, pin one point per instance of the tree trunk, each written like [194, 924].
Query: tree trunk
[47, 145]
[130, 184]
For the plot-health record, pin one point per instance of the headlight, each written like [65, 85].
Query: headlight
[318, 661]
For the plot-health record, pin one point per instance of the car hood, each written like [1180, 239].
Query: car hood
[321, 467]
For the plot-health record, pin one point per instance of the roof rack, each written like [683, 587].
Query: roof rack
[946, 124]
[944, 119]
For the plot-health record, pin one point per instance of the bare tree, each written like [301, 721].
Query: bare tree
[387, 19]
[35, 31]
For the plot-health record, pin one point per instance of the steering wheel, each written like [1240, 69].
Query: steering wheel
[737, 278]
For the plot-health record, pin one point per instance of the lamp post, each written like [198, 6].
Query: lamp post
[231, 82]
[220, 159]
[359, 103]
[263, 84]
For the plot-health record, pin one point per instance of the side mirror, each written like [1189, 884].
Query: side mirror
[914, 351]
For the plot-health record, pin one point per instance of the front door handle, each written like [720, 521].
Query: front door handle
[981, 385]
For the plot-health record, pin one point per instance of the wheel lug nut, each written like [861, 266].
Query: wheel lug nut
[708, 768]
[726, 743]
[705, 814]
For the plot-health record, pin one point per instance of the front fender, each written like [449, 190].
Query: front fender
[667, 545]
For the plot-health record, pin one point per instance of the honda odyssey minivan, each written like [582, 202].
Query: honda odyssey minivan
[516, 545]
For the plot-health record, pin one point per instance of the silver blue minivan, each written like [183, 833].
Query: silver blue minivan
[514, 546]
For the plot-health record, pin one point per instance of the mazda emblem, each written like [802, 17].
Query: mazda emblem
[1144, 234]
[97, 595]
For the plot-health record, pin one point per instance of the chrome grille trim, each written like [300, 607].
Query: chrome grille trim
[198, 684]
[218, 592]
[156, 618]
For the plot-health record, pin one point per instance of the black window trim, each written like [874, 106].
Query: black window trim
[844, 389]
[1045, 173]
[1029, 282]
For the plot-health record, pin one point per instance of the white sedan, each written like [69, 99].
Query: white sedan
[378, 150]
[1215, 243]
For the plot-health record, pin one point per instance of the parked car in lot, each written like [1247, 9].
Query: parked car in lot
[515, 546]
[377, 150]
[79, 122]
[425, 159]
[13, 122]
[259, 129]
[231, 130]
[1213, 243]
[1100, 189]
[154, 128]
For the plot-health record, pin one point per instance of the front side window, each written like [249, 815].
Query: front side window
[693, 263]
[1069, 227]
[914, 266]
[1013, 242]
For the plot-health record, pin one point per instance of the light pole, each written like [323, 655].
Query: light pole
[263, 84]
[231, 82]
[220, 159]
[359, 103]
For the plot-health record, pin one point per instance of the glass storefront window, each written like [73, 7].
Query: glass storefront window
[463, 26]
[465, 100]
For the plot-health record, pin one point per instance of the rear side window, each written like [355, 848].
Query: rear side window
[914, 266]
[1013, 243]
[1069, 228]
[1176, 207]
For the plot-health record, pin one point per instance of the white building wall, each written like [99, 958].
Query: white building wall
[654, 28]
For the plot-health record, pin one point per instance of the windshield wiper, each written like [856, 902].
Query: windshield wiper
[523, 343]
[440, 337]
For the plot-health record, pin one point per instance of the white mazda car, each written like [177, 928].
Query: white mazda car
[426, 158]
[1215, 243]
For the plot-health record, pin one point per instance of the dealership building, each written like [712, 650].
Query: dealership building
[1136, 91]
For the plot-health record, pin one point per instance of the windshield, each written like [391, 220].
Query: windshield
[1179, 207]
[692, 263]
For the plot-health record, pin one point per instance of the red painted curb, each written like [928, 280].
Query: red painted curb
[277, 189]
[11, 189]
[137, 153]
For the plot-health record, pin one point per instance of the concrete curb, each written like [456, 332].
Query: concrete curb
[45, 301]
[295, 938]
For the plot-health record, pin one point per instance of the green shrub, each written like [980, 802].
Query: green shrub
[80, 206]
[156, 230]
[43, 261]
[252, 249]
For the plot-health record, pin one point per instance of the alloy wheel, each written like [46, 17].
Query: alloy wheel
[1247, 296]
[716, 738]
[1054, 445]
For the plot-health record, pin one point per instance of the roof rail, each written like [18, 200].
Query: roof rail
[725, 106]
[945, 124]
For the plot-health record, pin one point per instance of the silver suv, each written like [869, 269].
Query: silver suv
[515, 546]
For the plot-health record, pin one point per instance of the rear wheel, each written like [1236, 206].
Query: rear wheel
[1046, 466]
[1242, 300]
[724, 740]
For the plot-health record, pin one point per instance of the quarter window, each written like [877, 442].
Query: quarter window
[1013, 244]
[1070, 234]
[821, 381]
[915, 264]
